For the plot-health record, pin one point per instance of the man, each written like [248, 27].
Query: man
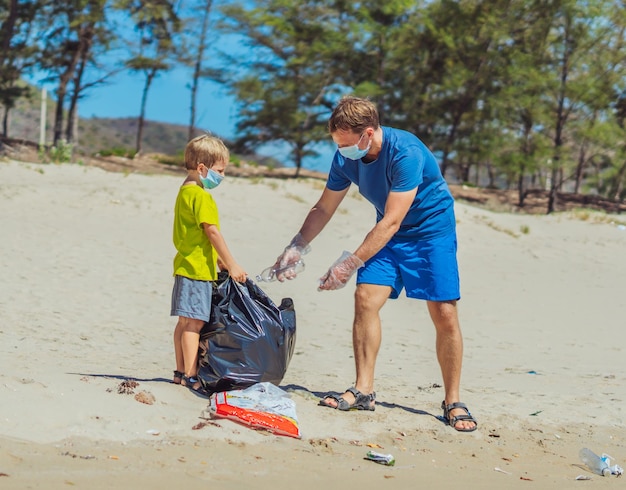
[412, 246]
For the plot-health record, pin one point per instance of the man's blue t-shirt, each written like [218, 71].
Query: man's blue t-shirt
[403, 164]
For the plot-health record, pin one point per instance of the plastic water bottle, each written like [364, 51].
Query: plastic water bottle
[270, 274]
[594, 462]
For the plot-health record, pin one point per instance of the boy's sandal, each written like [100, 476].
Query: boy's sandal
[177, 376]
[361, 401]
[467, 416]
[191, 382]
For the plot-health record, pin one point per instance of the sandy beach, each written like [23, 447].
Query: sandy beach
[86, 257]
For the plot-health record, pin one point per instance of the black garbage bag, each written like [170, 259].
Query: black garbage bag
[248, 339]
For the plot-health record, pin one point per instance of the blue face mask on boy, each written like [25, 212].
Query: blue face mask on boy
[212, 179]
[353, 152]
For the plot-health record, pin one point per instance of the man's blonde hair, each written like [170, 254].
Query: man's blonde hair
[353, 114]
[205, 149]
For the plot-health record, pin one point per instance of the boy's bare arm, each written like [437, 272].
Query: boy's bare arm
[219, 244]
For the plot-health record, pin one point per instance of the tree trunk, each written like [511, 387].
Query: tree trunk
[58, 116]
[552, 196]
[6, 33]
[298, 152]
[198, 68]
[61, 92]
[580, 167]
[619, 183]
[144, 97]
[86, 43]
[521, 193]
[492, 176]
[5, 122]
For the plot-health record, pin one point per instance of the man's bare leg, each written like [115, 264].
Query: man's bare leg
[366, 337]
[449, 345]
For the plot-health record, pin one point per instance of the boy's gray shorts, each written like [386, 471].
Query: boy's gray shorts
[191, 298]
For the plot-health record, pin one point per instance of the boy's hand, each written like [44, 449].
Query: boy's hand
[237, 273]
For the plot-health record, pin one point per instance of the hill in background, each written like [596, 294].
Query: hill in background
[96, 134]
[100, 134]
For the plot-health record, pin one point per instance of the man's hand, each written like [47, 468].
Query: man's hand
[286, 262]
[340, 272]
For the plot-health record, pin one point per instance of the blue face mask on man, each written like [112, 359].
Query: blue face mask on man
[353, 152]
[212, 179]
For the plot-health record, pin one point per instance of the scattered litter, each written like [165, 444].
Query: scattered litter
[373, 444]
[532, 372]
[153, 432]
[112, 456]
[72, 455]
[525, 478]
[261, 406]
[621, 227]
[534, 414]
[386, 459]
[600, 465]
[583, 477]
[501, 471]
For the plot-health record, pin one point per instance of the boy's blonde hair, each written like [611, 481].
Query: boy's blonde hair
[353, 114]
[205, 149]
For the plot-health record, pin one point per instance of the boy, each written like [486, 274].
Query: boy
[200, 249]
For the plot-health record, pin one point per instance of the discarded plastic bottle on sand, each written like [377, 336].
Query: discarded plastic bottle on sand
[270, 274]
[594, 462]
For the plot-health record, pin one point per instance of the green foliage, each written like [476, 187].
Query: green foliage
[176, 161]
[235, 160]
[118, 152]
[60, 153]
[286, 88]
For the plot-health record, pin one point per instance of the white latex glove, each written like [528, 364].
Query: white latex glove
[289, 263]
[340, 272]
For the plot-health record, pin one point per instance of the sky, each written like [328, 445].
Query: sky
[168, 100]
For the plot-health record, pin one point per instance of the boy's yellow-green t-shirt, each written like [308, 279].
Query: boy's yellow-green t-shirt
[196, 257]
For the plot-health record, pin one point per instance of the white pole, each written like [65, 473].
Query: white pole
[42, 122]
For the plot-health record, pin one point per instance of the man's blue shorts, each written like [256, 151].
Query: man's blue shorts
[191, 298]
[426, 269]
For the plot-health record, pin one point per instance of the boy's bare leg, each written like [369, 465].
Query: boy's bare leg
[190, 338]
[178, 347]
[366, 336]
[449, 345]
